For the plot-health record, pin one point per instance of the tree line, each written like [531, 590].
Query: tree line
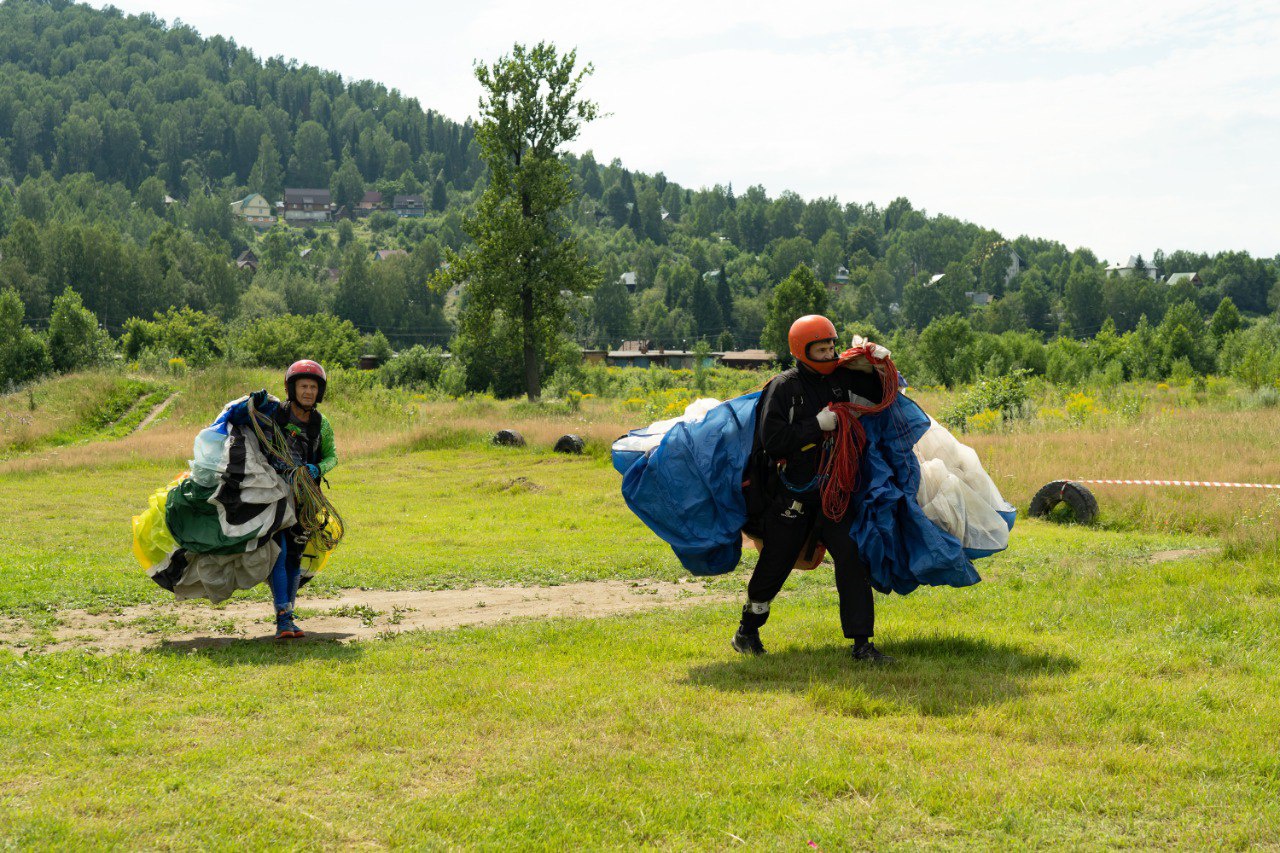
[123, 141]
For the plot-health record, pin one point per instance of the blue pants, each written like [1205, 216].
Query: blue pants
[285, 575]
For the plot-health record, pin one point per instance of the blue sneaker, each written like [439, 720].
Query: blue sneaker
[286, 628]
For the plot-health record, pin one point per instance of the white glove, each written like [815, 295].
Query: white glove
[876, 350]
[826, 420]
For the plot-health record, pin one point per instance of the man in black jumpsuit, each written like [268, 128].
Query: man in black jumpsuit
[792, 421]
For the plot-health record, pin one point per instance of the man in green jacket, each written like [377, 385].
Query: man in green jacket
[309, 436]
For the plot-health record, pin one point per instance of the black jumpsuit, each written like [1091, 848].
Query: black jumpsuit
[787, 428]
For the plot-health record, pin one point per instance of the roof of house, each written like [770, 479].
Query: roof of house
[383, 254]
[306, 196]
[371, 197]
[629, 278]
[1176, 277]
[657, 352]
[1132, 263]
[408, 201]
[937, 278]
[750, 355]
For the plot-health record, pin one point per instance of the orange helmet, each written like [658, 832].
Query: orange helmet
[807, 331]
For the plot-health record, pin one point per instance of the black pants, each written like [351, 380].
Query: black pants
[786, 532]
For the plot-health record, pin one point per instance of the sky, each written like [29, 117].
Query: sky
[1119, 126]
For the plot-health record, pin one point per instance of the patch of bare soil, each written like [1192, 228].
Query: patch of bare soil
[156, 412]
[355, 615]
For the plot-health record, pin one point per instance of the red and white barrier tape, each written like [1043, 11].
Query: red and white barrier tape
[1182, 483]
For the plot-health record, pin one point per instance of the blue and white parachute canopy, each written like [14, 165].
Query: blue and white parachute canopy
[925, 509]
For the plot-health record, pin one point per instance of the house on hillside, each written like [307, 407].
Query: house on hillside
[255, 210]
[372, 201]
[408, 206]
[842, 275]
[307, 205]
[1016, 265]
[1131, 268]
[1179, 277]
[383, 254]
[247, 261]
[630, 281]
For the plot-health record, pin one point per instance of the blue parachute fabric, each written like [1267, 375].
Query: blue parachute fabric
[688, 489]
[903, 548]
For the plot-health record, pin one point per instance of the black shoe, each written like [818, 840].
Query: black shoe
[748, 643]
[869, 653]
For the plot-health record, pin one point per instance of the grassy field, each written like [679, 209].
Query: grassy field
[1095, 690]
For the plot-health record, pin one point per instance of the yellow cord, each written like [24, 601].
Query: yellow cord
[314, 510]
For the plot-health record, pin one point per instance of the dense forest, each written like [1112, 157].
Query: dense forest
[123, 142]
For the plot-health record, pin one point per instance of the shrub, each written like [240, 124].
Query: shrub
[1006, 395]
[988, 420]
[193, 336]
[376, 345]
[382, 221]
[75, 341]
[280, 341]
[417, 368]
[23, 354]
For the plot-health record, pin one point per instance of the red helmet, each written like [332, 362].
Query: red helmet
[310, 369]
[807, 331]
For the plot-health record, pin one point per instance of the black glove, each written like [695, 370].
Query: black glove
[259, 398]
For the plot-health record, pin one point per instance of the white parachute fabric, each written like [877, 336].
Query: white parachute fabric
[958, 495]
[644, 440]
[217, 576]
[640, 442]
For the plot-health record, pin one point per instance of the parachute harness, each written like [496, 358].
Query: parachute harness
[842, 450]
[314, 510]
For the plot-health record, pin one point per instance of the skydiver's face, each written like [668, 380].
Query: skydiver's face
[305, 392]
[822, 350]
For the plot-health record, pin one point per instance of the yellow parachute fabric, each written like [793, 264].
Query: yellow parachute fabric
[152, 541]
[313, 557]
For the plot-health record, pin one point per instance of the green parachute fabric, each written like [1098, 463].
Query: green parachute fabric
[194, 523]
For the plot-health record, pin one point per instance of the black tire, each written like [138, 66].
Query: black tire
[1084, 506]
[508, 438]
[569, 444]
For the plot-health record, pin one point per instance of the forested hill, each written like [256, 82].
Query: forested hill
[123, 142]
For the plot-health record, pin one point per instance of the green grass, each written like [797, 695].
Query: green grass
[1104, 703]
[423, 520]
[1081, 696]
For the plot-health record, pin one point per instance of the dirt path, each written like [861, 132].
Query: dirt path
[156, 412]
[355, 615]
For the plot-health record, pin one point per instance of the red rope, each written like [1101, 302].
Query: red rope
[842, 452]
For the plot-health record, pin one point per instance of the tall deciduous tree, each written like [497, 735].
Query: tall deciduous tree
[524, 258]
[267, 177]
[347, 184]
[798, 294]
